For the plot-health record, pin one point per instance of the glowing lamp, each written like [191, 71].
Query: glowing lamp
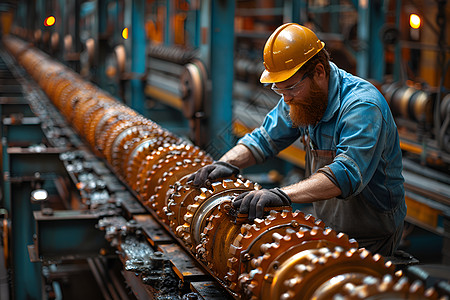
[125, 33]
[39, 195]
[49, 21]
[414, 21]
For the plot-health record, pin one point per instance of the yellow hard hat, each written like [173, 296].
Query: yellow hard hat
[288, 48]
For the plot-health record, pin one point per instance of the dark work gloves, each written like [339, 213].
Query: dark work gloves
[254, 202]
[216, 170]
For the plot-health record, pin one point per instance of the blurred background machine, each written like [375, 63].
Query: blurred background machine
[107, 105]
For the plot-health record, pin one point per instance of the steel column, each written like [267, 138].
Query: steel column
[398, 50]
[291, 11]
[205, 29]
[222, 74]
[102, 43]
[168, 32]
[27, 281]
[376, 50]
[21, 164]
[136, 49]
[370, 56]
[362, 56]
[193, 25]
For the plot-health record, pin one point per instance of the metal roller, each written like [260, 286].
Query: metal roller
[410, 103]
[285, 255]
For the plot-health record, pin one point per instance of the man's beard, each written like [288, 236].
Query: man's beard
[309, 113]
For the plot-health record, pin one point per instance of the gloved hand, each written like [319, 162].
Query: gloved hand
[216, 170]
[253, 202]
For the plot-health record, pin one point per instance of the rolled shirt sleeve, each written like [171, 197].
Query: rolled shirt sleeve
[360, 147]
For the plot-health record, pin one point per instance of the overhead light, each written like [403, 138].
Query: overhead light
[414, 21]
[39, 195]
[125, 33]
[49, 21]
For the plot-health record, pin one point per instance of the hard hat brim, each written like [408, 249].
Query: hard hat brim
[274, 77]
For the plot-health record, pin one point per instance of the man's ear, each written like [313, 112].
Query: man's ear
[320, 70]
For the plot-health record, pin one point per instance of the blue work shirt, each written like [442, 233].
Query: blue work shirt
[359, 127]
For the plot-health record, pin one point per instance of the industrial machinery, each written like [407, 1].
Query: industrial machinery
[127, 176]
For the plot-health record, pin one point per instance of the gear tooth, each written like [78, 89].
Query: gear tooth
[237, 242]
[402, 285]
[364, 292]
[238, 239]
[179, 231]
[300, 269]
[233, 249]
[257, 222]
[249, 184]
[188, 217]
[431, 293]
[319, 223]
[265, 247]
[292, 282]
[314, 231]
[377, 257]
[192, 207]
[245, 228]
[388, 264]
[352, 251]
[417, 287]
[344, 237]
[310, 218]
[272, 214]
[353, 242]
[285, 213]
[387, 283]
[348, 288]
[327, 231]
[287, 238]
[290, 231]
[256, 262]
[304, 230]
[286, 296]
[334, 235]
[277, 237]
[231, 262]
[187, 239]
[228, 184]
[298, 214]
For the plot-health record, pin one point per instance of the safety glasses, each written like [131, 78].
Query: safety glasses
[290, 91]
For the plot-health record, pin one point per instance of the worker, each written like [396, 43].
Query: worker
[353, 157]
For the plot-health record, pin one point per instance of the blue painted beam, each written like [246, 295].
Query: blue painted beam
[222, 74]
[370, 56]
[168, 33]
[398, 51]
[21, 165]
[291, 11]
[376, 49]
[362, 56]
[27, 279]
[137, 39]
